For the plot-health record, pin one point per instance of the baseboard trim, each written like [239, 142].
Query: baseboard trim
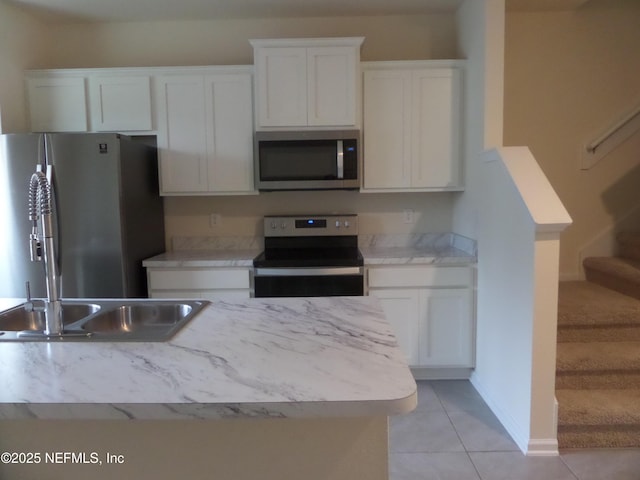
[571, 277]
[543, 447]
[533, 447]
[429, 373]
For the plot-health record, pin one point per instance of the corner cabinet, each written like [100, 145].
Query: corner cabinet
[431, 309]
[307, 82]
[412, 126]
[205, 131]
[57, 101]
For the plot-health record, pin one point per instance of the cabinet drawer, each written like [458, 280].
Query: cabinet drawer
[199, 279]
[218, 294]
[419, 277]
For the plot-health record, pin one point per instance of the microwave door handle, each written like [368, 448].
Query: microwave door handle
[340, 159]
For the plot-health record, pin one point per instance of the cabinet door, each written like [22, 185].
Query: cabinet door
[57, 104]
[402, 308]
[282, 86]
[387, 132]
[435, 128]
[208, 283]
[120, 103]
[446, 328]
[182, 137]
[331, 86]
[230, 132]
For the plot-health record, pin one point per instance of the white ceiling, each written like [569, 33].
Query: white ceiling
[135, 10]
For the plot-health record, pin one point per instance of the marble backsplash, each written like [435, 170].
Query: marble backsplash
[415, 240]
[419, 241]
[217, 243]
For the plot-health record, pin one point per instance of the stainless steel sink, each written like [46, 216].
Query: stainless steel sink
[103, 320]
[28, 317]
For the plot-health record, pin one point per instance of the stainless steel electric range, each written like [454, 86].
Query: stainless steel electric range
[309, 256]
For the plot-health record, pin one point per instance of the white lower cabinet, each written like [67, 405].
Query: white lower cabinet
[431, 311]
[206, 283]
[402, 308]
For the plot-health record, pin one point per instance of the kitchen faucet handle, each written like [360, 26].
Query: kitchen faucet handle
[30, 304]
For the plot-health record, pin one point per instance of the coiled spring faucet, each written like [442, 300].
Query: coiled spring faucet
[42, 244]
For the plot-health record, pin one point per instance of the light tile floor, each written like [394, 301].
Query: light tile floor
[453, 435]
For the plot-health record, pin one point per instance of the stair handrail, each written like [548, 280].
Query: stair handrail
[607, 142]
[595, 144]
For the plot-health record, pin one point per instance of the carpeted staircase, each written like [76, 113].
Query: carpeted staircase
[598, 356]
[622, 272]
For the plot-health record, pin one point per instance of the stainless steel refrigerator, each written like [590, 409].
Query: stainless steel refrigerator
[108, 214]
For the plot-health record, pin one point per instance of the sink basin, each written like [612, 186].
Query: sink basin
[103, 320]
[23, 317]
[132, 318]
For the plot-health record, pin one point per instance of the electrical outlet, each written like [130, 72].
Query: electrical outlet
[215, 219]
[408, 214]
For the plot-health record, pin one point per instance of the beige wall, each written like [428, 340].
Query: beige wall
[226, 42]
[242, 215]
[21, 46]
[569, 76]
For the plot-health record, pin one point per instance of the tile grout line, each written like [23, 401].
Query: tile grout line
[446, 411]
[575, 475]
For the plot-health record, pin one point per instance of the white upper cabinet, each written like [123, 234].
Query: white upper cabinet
[120, 103]
[412, 122]
[229, 109]
[97, 100]
[182, 136]
[205, 131]
[307, 82]
[281, 78]
[57, 103]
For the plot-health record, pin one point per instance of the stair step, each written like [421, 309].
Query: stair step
[616, 273]
[595, 356]
[598, 365]
[588, 305]
[598, 334]
[598, 418]
[629, 245]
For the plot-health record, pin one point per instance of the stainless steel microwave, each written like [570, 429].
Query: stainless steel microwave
[307, 160]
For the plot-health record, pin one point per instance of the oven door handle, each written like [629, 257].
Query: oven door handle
[340, 159]
[307, 272]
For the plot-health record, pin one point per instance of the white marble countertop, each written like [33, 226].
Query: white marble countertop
[416, 256]
[294, 357]
[440, 249]
[204, 258]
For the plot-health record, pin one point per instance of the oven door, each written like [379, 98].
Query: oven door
[309, 282]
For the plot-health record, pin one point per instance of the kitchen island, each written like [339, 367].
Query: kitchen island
[260, 388]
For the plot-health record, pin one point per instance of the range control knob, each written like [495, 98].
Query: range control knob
[337, 223]
[283, 225]
[346, 224]
[273, 225]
